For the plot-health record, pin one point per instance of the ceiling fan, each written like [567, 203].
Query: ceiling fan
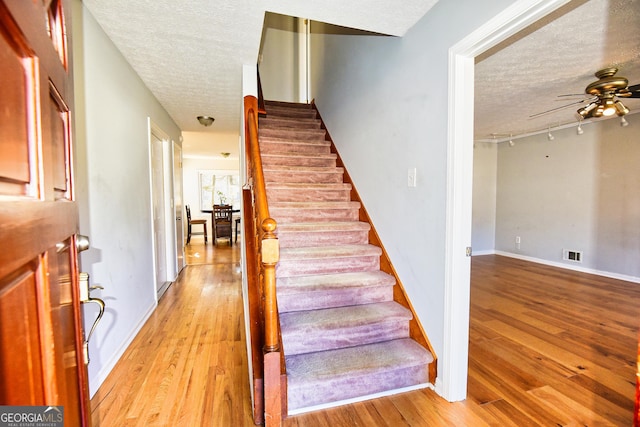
[605, 94]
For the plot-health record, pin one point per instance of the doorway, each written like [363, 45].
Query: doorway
[165, 254]
[453, 381]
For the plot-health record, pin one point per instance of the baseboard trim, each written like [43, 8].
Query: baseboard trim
[103, 373]
[608, 274]
[359, 399]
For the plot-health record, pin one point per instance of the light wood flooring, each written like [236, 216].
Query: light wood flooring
[548, 347]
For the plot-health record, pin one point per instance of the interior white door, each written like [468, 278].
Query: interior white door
[158, 214]
[178, 205]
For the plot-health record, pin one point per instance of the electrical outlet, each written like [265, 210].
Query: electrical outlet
[411, 177]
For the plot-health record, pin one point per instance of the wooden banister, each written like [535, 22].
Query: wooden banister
[269, 377]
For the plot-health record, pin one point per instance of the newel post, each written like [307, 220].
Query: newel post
[270, 256]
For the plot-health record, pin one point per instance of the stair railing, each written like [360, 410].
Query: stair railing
[262, 255]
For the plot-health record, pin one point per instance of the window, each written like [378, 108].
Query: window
[220, 188]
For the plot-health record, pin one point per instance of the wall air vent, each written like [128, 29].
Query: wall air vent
[570, 255]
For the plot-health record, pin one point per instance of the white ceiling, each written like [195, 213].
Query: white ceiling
[190, 54]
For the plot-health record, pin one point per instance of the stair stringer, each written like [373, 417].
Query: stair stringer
[416, 331]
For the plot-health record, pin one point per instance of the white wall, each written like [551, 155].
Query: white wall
[384, 101]
[112, 177]
[279, 65]
[578, 192]
[485, 167]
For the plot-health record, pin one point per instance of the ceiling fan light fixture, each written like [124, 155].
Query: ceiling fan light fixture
[585, 111]
[580, 131]
[609, 108]
[623, 122]
[549, 136]
[621, 110]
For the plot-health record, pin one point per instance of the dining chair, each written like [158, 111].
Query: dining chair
[222, 221]
[191, 222]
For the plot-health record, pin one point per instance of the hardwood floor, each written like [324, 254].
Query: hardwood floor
[547, 347]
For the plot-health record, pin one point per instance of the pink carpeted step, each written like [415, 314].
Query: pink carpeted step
[341, 327]
[306, 113]
[291, 174]
[331, 376]
[295, 235]
[269, 145]
[301, 160]
[293, 134]
[288, 123]
[291, 192]
[333, 290]
[287, 212]
[286, 104]
[327, 260]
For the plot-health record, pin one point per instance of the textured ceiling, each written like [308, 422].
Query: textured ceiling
[190, 55]
[557, 56]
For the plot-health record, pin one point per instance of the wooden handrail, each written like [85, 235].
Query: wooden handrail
[270, 388]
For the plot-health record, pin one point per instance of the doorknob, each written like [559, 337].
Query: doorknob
[82, 243]
[86, 298]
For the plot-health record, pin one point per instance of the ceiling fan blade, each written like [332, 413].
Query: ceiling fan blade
[634, 90]
[558, 108]
[570, 94]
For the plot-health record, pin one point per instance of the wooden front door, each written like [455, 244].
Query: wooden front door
[41, 337]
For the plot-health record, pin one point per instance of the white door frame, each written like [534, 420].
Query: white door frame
[164, 249]
[452, 383]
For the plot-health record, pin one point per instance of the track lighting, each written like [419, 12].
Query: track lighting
[623, 122]
[549, 136]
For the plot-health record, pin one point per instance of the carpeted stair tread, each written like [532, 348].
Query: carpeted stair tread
[275, 111]
[286, 104]
[315, 205]
[364, 279]
[340, 327]
[326, 233]
[269, 139]
[322, 227]
[333, 186]
[335, 375]
[289, 122]
[323, 252]
[292, 133]
[303, 169]
[292, 212]
[333, 290]
[303, 159]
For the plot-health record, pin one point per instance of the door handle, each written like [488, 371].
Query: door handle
[86, 298]
[82, 243]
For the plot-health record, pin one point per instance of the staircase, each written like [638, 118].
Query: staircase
[344, 337]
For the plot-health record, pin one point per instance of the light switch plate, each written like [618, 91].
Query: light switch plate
[411, 177]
